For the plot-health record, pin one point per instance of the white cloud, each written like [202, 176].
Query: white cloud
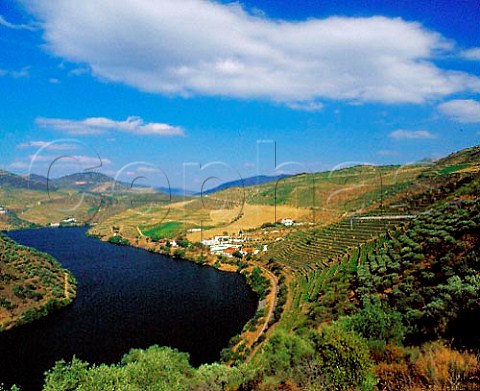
[100, 125]
[79, 71]
[18, 165]
[24, 72]
[462, 110]
[52, 146]
[69, 160]
[77, 163]
[402, 134]
[471, 54]
[5, 23]
[202, 47]
[306, 106]
[148, 170]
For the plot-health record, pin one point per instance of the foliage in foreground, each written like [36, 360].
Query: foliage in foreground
[332, 357]
[154, 369]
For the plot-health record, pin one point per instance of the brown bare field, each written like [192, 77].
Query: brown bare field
[250, 217]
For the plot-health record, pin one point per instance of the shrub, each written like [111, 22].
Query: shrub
[376, 322]
[445, 368]
[118, 240]
[343, 357]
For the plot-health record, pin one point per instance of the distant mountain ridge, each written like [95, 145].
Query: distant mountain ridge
[95, 181]
[88, 181]
[251, 181]
[82, 182]
[14, 181]
[176, 191]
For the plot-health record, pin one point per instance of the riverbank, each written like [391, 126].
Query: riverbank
[32, 284]
[252, 335]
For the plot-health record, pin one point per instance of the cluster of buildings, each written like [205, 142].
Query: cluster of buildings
[226, 245]
[68, 222]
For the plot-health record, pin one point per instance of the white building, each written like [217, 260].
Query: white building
[70, 220]
[208, 242]
[287, 222]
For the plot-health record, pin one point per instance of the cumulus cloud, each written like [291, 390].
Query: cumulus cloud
[402, 134]
[462, 110]
[100, 125]
[472, 54]
[202, 47]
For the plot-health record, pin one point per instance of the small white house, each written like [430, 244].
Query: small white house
[70, 220]
[220, 248]
[287, 222]
[208, 242]
[2, 211]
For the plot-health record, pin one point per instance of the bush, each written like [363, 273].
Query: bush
[157, 368]
[343, 357]
[446, 368]
[376, 322]
[333, 357]
[118, 240]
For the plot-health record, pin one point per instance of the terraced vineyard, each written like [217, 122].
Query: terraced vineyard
[314, 248]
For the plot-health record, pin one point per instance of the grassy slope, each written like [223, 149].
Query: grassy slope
[42, 207]
[415, 273]
[320, 198]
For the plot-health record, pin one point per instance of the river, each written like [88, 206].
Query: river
[127, 298]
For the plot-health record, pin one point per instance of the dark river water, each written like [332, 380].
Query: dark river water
[127, 298]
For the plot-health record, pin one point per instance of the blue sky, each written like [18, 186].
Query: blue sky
[193, 89]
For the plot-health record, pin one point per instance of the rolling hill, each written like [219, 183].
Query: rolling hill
[13, 181]
[251, 181]
[320, 198]
[89, 197]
